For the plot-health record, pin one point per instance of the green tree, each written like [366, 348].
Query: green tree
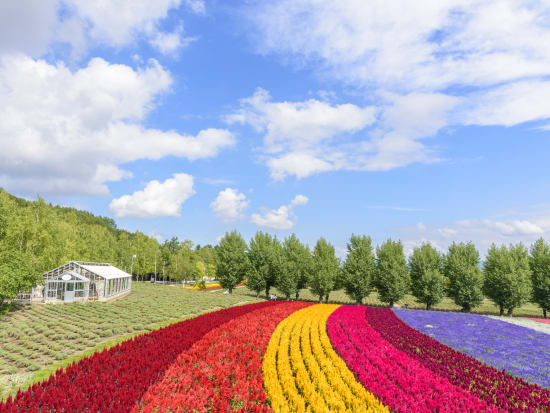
[539, 262]
[461, 267]
[392, 275]
[16, 275]
[359, 268]
[296, 267]
[507, 276]
[325, 269]
[427, 282]
[265, 257]
[232, 260]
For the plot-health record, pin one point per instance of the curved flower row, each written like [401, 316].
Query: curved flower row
[115, 379]
[489, 384]
[302, 372]
[402, 383]
[223, 371]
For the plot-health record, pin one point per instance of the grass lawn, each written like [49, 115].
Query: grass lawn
[447, 304]
[35, 340]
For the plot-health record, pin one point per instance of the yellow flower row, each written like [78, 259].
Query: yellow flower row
[303, 373]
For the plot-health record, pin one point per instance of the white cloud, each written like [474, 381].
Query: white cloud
[32, 26]
[432, 46]
[515, 227]
[279, 218]
[309, 137]
[69, 132]
[229, 205]
[510, 104]
[442, 63]
[447, 232]
[299, 125]
[197, 6]
[482, 232]
[156, 199]
[27, 26]
[421, 226]
[170, 43]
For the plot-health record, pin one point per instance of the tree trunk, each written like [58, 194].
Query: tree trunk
[510, 312]
[297, 295]
[230, 290]
[257, 294]
[544, 312]
[267, 292]
[287, 297]
[359, 301]
[320, 297]
[326, 298]
[466, 309]
[428, 306]
[391, 304]
[501, 310]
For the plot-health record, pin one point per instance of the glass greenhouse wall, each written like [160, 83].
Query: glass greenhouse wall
[81, 281]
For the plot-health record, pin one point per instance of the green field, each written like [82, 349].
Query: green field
[36, 340]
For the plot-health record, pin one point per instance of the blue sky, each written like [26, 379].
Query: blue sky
[191, 118]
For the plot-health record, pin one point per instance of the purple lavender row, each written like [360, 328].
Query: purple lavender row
[520, 351]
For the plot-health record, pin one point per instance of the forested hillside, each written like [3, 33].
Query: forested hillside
[36, 237]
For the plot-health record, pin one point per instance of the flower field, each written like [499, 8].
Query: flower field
[520, 351]
[302, 357]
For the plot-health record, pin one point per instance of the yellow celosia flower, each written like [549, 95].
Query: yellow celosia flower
[303, 373]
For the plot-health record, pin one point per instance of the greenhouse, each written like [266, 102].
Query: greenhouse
[81, 281]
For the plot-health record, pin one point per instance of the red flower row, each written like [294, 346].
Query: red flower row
[223, 371]
[400, 382]
[115, 379]
[489, 384]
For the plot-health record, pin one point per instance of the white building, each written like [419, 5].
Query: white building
[81, 281]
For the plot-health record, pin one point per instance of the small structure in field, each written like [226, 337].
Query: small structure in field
[81, 281]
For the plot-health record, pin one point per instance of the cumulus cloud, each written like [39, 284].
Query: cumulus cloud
[69, 132]
[157, 199]
[515, 227]
[482, 232]
[280, 218]
[309, 137]
[170, 43]
[434, 46]
[229, 205]
[445, 63]
[27, 26]
[303, 138]
[32, 26]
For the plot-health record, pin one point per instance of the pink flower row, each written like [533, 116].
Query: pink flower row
[400, 382]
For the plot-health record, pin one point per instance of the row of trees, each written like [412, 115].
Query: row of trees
[510, 276]
[36, 237]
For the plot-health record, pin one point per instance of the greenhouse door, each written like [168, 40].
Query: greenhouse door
[69, 292]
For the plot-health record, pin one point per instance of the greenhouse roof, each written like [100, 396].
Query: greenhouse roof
[106, 271]
[70, 275]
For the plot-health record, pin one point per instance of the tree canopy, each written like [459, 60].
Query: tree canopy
[325, 269]
[359, 268]
[427, 282]
[539, 262]
[392, 276]
[507, 276]
[461, 267]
